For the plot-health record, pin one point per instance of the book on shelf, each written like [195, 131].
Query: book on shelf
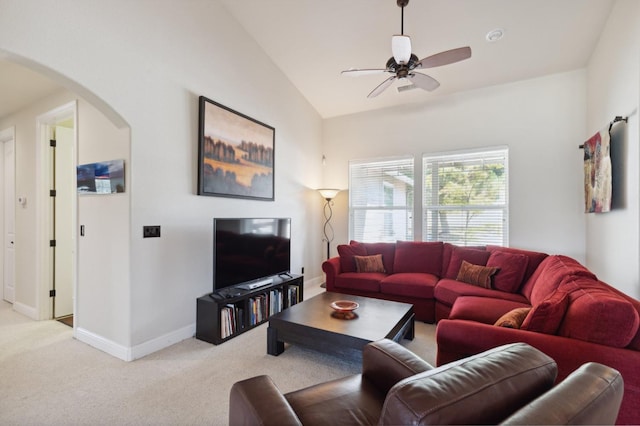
[258, 306]
[275, 301]
[231, 320]
[293, 295]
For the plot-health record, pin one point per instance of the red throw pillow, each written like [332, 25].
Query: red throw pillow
[346, 253]
[512, 268]
[547, 316]
[476, 274]
[458, 254]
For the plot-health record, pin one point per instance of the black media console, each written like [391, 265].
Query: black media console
[224, 314]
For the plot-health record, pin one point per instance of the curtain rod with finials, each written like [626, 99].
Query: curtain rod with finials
[615, 120]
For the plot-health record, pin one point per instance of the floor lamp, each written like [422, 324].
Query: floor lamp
[328, 195]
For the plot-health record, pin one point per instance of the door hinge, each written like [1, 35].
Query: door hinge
[52, 243]
[52, 143]
[52, 193]
[52, 293]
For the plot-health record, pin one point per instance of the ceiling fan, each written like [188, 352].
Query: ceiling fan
[403, 64]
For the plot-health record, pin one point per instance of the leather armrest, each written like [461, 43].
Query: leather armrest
[257, 401]
[590, 395]
[385, 363]
[482, 389]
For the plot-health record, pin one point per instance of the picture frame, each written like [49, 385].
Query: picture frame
[236, 154]
[101, 178]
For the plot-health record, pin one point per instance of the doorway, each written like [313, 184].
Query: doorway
[58, 181]
[7, 215]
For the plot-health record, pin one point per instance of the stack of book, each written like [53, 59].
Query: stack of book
[275, 302]
[231, 320]
[292, 295]
[258, 309]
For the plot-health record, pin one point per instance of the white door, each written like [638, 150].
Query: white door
[9, 266]
[64, 181]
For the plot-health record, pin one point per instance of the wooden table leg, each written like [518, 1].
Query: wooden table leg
[274, 347]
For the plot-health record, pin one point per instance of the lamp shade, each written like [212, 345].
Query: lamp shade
[328, 194]
[401, 48]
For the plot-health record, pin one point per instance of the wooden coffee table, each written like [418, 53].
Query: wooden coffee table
[310, 323]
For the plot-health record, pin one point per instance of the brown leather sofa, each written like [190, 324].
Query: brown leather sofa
[512, 384]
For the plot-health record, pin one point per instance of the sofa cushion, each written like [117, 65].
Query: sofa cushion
[476, 274]
[447, 249]
[458, 254]
[535, 258]
[418, 256]
[387, 250]
[346, 253]
[365, 281]
[513, 319]
[447, 291]
[512, 267]
[552, 272]
[597, 315]
[371, 263]
[411, 284]
[547, 315]
[486, 310]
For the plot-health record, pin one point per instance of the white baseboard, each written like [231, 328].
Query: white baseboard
[151, 346]
[26, 310]
[105, 345]
[164, 341]
[131, 353]
[313, 282]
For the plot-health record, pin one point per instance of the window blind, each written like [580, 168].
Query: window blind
[381, 200]
[465, 198]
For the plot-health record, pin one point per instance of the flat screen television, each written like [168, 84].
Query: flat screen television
[250, 249]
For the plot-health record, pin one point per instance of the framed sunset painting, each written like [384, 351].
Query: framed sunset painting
[235, 154]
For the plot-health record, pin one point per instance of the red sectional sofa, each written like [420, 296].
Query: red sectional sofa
[561, 307]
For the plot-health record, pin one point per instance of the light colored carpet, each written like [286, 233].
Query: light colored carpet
[50, 378]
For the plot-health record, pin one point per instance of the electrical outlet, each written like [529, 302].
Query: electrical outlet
[151, 231]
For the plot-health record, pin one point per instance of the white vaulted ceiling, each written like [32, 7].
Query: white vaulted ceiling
[311, 41]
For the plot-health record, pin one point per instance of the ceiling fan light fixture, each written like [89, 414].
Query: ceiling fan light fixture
[401, 48]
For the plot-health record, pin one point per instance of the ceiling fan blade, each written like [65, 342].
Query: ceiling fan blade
[381, 87]
[423, 81]
[352, 72]
[445, 58]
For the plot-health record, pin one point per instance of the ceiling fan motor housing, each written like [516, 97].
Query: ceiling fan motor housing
[402, 70]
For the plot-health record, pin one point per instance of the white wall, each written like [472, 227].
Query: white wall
[149, 60]
[103, 251]
[613, 239]
[542, 122]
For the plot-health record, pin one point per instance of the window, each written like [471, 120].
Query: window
[465, 197]
[381, 200]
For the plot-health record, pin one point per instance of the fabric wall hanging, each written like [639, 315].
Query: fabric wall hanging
[597, 173]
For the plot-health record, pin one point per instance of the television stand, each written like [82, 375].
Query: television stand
[227, 313]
